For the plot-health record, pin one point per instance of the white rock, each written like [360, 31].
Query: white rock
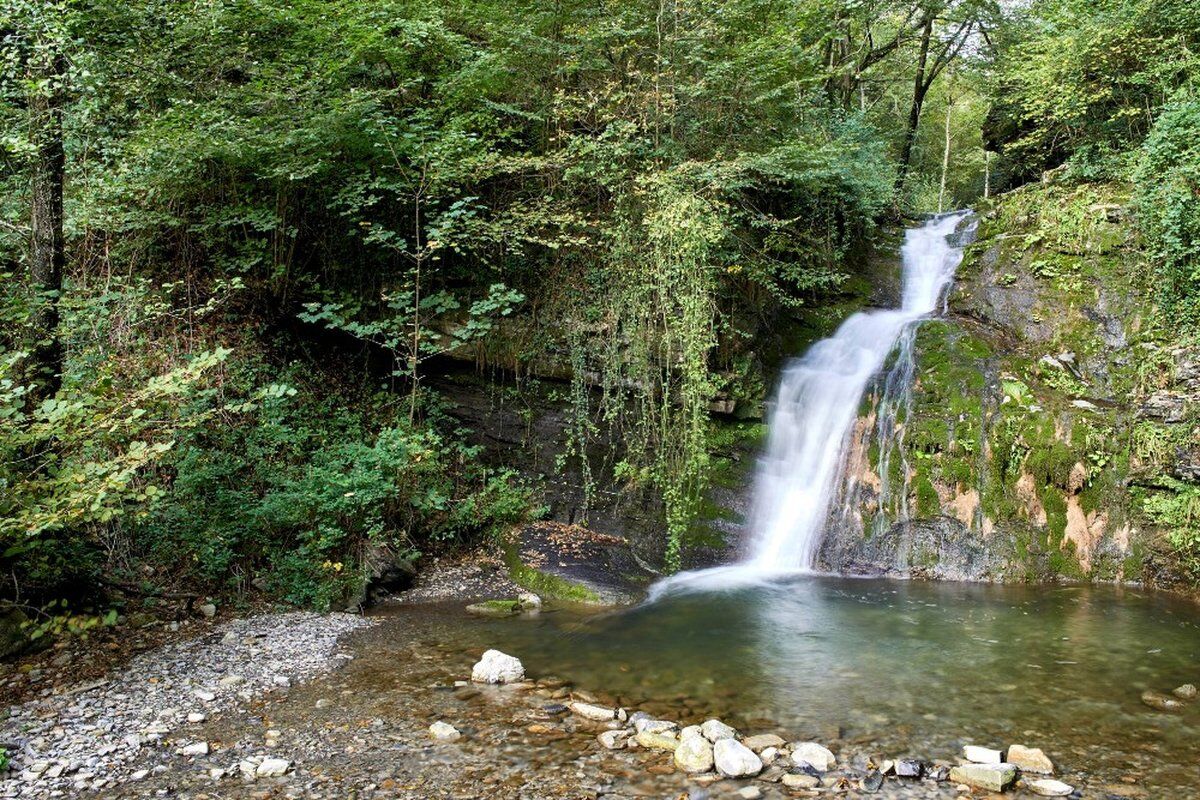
[816, 756]
[444, 732]
[208, 610]
[768, 755]
[197, 749]
[644, 725]
[801, 781]
[529, 601]
[694, 754]
[594, 712]
[1048, 787]
[715, 730]
[272, 768]
[749, 793]
[689, 732]
[232, 680]
[196, 717]
[140, 775]
[497, 667]
[613, 740]
[735, 760]
[982, 755]
[205, 695]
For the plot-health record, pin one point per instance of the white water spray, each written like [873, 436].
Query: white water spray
[813, 412]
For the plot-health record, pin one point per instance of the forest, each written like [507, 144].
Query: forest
[240, 241]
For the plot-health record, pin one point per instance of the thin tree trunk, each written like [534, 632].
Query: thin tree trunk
[47, 256]
[945, 157]
[920, 88]
[987, 174]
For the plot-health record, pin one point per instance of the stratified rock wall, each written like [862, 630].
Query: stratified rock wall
[1045, 408]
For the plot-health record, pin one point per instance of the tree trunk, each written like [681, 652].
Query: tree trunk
[945, 157]
[46, 218]
[920, 88]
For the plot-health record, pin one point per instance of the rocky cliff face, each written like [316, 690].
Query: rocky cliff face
[1048, 412]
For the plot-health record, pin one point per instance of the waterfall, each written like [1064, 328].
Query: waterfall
[814, 410]
[818, 401]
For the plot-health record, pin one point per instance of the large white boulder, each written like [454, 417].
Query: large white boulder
[497, 667]
[694, 754]
[735, 760]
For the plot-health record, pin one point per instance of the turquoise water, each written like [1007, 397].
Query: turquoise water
[900, 667]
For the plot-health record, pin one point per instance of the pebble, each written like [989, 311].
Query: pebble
[762, 741]
[594, 712]
[1030, 759]
[444, 732]
[694, 754]
[1188, 691]
[272, 768]
[1161, 702]
[982, 755]
[613, 740]
[749, 793]
[801, 780]
[734, 760]
[1047, 787]
[714, 730]
[993, 777]
[196, 749]
[813, 754]
[196, 717]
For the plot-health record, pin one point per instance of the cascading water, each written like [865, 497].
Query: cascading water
[819, 398]
[816, 406]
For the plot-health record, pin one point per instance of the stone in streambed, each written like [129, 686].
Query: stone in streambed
[735, 760]
[1188, 691]
[1161, 702]
[815, 755]
[613, 740]
[1047, 787]
[873, 782]
[749, 793]
[654, 725]
[272, 768]
[982, 755]
[657, 740]
[714, 730]
[801, 780]
[993, 777]
[1030, 759]
[497, 667]
[444, 732]
[908, 768]
[762, 741]
[694, 754]
[494, 608]
[594, 712]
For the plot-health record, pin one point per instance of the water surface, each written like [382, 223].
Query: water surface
[903, 667]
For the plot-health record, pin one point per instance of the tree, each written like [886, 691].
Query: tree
[35, 74]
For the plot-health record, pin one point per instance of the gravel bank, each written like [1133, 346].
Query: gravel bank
[102, 733]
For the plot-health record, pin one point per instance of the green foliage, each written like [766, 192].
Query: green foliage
[1168, 206]
[1176, 507]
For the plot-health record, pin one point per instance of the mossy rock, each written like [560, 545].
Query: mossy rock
[495, 608]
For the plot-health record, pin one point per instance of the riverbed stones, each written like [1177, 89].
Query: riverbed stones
[1030, 759]
[762, 741]
[734, 760]
[1188, 691]
[1047, 787]
[644, 724]
[993, 777]
[908, 768]
[594, 712]
[657, 739]
[714, 730]
[529, 601]
[444, 732]
[497, 667]
[694, 754]
[273, 768]
[613, 740]
[815, 755]
[982, 755]
[1161, 702]
[801, 780]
